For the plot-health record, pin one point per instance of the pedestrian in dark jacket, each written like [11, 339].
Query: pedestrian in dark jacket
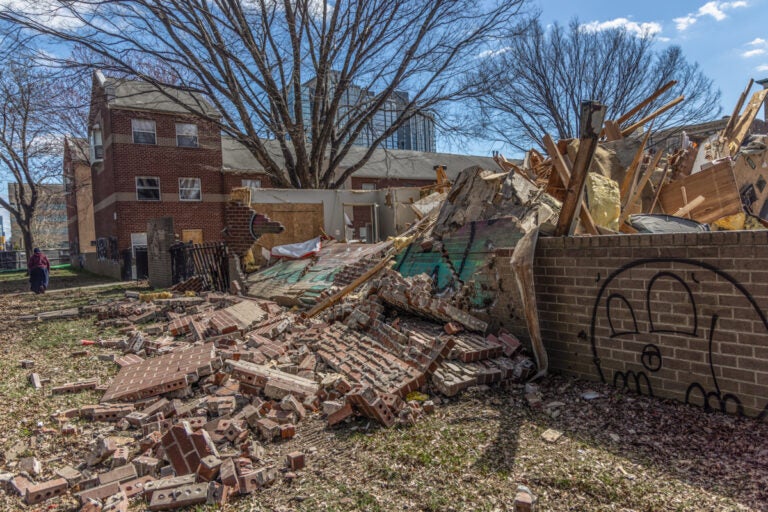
[39, 271]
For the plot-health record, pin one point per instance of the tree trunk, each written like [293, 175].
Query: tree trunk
[29, 242]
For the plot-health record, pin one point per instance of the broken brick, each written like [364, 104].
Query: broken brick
[295, 461]
[45, 491]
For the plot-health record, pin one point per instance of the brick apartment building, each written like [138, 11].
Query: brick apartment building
[150, 158]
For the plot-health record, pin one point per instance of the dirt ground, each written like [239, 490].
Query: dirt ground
[618, 452]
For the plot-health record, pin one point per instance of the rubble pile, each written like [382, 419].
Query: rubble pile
[208, 383]
[619, 179]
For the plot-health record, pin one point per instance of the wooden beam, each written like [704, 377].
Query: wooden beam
[726, 133]
[629, 177]
[647, 101]
[659, 186]
[630, 129]
[741, 127]
[639, 190]
[592, 116]
[685, 210]
[330, 301]
[564, 172]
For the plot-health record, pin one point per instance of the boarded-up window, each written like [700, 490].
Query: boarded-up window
[192, 235]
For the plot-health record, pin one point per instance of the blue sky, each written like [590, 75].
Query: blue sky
[729, 40]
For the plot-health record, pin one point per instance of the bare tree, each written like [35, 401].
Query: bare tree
[30, 150]
[311, 75]
[537, 79]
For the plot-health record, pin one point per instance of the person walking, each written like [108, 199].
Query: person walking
[39, 271]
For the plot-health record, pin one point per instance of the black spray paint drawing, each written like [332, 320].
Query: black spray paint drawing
[623, 315]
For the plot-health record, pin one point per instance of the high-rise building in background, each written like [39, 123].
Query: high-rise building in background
[416, 134]
[49, 225]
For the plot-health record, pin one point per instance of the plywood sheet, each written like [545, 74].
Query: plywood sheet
[302, 221]
[192, 235]
[716, 184]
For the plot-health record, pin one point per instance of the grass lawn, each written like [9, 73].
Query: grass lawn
[619, 452]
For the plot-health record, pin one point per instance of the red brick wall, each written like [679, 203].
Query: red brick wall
[677, 315]
[124, 161]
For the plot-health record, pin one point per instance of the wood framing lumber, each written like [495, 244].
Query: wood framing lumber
[639, 189]
[741, 127]
[629, 177]
[647, 101]
[631, 129]
[659, 187]
[685, 210]
[726, 134]
[522, 266]
[564, 172]
[592, 115]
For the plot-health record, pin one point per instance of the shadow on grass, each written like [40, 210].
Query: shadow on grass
[611, 445]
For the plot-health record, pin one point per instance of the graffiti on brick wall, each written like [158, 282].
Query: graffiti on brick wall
[677, 317]
[102, 247]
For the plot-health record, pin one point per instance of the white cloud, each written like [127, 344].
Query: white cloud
[753, 53]
[758, 41]
[684, 22]
[47, 12]
[763, 67]
[492, 53]
[715, 9]
[640, 29]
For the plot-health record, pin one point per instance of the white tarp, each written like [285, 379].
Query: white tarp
[298, 250]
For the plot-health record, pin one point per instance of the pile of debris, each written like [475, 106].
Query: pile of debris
[206, 381]
[613, 180]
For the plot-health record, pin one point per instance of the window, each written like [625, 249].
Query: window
[147, 189]
[143, 131]
[368, 186]
[96, 145]
[189, 189]
[186, 135]
[251, 184]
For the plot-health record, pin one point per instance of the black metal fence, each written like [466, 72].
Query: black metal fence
[209, 262]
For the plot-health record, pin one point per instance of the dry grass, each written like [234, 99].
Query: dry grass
[618, 453]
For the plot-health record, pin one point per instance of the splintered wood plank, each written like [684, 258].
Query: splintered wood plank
[639, 189]
[727, 131]
[563, 171]
[741, 127]
[592, 116]
[631, 129]
[629, 177]
[647, 101]
[716, 184]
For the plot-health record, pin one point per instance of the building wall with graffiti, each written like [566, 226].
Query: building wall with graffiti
[680, 316]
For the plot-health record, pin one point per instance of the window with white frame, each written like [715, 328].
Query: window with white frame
[143, 131]
[189, 189]
[251, 184]
[368, 186]
[147, 188]
[186, 135]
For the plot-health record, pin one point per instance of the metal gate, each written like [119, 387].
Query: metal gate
[208, 262]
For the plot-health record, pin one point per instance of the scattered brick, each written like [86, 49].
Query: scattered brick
[45, 491]
[295, 461]
[76, 387]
